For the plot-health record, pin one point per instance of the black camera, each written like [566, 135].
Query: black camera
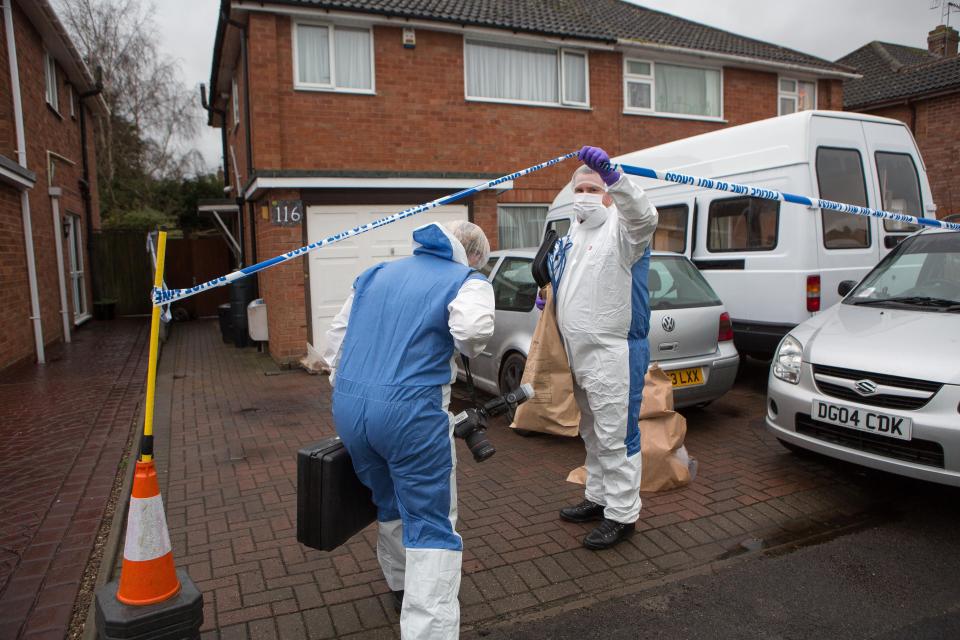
[471, 424]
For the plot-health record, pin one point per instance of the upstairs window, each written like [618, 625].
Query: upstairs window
[670, 89]
[50, 74]
[526, 75]
[797, 95]
[333, 58]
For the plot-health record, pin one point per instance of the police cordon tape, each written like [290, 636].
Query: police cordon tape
[772, 194]
[166, 296]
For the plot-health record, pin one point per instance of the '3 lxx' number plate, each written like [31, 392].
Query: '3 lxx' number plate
[883, 424]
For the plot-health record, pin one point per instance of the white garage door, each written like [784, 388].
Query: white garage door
[333, 269]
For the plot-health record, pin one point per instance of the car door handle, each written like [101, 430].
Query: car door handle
[669, 346]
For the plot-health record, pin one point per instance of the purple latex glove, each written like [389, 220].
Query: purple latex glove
[598, 160]
[540, 302]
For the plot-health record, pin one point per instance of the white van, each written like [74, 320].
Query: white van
[776, 264]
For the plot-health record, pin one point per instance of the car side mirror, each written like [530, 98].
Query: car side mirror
[846, 287]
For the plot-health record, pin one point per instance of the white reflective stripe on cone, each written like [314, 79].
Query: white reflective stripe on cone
[147, 535]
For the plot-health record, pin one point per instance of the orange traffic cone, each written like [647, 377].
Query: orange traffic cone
[147, 575]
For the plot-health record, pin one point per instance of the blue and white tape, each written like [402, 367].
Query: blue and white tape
[165, 296]
[772, 194]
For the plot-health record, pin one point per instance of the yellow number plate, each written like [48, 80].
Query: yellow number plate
[686, 377]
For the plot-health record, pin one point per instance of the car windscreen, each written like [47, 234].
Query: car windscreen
[923, 272]
[675, 283]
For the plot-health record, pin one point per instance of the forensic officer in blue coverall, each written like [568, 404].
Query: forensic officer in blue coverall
[391, 351]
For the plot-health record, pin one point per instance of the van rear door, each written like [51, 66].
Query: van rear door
[848, 246]
[900, 179]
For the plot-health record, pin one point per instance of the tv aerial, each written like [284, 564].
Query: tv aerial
[946, 8]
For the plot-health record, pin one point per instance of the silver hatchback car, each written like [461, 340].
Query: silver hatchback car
[875, 379]
[690, 331]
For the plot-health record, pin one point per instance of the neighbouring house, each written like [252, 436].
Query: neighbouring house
[336, 113]
[920, 87]
[48, 192]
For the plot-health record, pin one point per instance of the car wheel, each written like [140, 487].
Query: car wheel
[511, 372]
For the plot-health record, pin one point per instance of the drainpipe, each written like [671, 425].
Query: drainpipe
[24, 196]
[223, 130]
[85, 180]
[55, 193]
[248, 118]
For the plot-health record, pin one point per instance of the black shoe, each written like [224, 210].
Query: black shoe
[608, 534]
[397, 600]
[586, 511]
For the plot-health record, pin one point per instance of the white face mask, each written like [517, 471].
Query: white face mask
[589, 209]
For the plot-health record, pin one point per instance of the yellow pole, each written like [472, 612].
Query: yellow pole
[146, 445]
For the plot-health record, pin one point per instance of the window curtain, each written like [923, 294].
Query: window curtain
[511, 73]
[352, 58]
[687, 91]
[520, 226]
[313, 54]
[575, 78]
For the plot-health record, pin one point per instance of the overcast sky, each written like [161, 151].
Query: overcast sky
[825, 28]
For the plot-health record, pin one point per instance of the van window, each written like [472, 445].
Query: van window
[841, 179]
[560, 225]
[671, 234]
[742, 224]
[899, 189]
[513, 287]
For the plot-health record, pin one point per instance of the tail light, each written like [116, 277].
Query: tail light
[813, 293]
[726, 328]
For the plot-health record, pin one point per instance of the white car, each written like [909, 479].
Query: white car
[875, 379]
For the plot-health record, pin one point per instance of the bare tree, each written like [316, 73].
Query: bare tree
[153, 116]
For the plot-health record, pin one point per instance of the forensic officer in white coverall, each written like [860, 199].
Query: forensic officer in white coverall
[603, 313]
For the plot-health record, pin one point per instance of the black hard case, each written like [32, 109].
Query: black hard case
[332, 504]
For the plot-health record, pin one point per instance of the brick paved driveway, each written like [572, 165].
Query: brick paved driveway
[236, 423]
[63, 432]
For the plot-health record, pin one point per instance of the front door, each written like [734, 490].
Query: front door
[77, 277]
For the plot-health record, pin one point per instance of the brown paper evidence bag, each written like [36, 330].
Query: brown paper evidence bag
[554, 411]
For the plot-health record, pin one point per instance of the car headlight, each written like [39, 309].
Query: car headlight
[786, 363]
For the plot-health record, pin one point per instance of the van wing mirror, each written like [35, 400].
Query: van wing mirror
[846, 287]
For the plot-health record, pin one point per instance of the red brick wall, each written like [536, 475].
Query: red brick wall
[419, 121]
[935, 123]
[45, 131]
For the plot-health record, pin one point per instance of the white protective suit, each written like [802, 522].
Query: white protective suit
[603, 315]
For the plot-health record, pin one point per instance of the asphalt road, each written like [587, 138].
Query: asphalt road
[898, 577]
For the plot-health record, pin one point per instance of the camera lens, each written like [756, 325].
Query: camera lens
[480, 447]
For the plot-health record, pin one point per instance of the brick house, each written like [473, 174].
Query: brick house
[359, 108]
[920, 87]
[48, 194]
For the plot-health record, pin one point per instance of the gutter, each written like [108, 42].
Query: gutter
[85, 191]
[247, 117]
[789, 66]
[24, 195]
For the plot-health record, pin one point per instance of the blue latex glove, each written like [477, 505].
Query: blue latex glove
[598, 160]
[540, 302]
